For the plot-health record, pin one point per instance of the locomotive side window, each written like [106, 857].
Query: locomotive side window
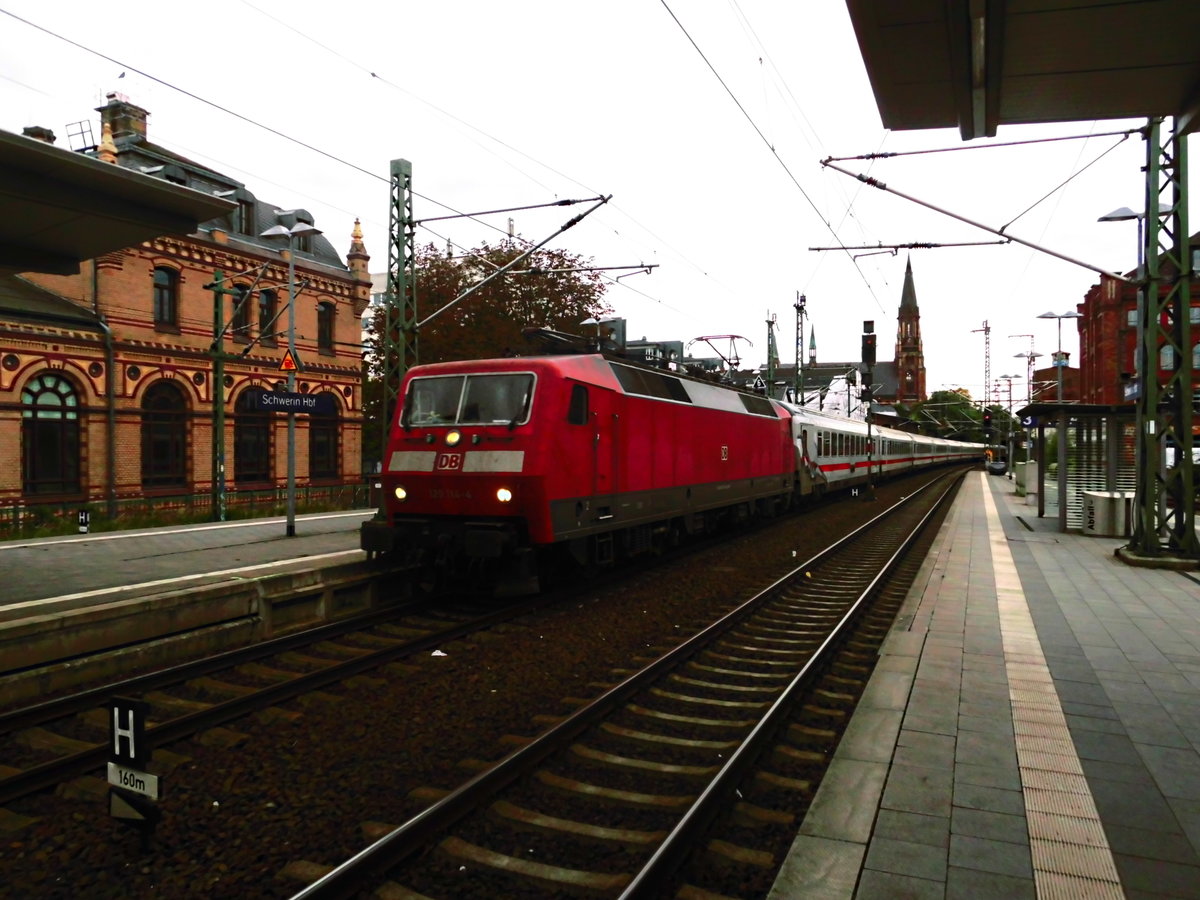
[577, 412]
[651, 384]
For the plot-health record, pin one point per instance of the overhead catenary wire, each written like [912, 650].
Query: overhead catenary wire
[383, 80]
[876, 183]
[768, 144]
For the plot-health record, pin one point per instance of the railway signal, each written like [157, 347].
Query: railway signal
[133, 789]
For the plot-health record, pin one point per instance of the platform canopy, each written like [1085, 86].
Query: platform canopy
[978, 64]
[58, 207]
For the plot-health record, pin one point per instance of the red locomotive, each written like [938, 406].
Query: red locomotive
[493, 464]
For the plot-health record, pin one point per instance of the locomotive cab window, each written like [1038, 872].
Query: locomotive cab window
[493, 399]
[577, 412]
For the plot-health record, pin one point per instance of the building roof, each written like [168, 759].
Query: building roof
[139, 154]
[58, 207]
[24, 301]
[976, 65]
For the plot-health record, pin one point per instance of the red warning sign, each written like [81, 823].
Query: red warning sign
[289, 363]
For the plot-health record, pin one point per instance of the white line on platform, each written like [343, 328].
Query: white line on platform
[116, 591]
[118, 535]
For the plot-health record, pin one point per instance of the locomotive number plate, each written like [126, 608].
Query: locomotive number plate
[449, 462]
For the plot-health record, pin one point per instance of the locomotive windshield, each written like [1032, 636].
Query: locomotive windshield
[499, 399]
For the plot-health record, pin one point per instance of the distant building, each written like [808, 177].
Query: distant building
[1108, 338]
[900, 380]
[910, 357]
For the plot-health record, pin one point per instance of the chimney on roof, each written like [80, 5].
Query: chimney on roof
[126, 119]
[38, 133]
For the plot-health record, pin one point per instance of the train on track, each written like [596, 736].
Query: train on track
[499, 468]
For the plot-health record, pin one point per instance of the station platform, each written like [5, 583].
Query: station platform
[76, 610]
[87, 569]
[1032, 728]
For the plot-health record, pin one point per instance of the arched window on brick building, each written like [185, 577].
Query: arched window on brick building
[240, 316]
[164, 436]
[251, 442]
[268, 302]
[166, 297]
[324, 448]
[325, 316]
[50, 461]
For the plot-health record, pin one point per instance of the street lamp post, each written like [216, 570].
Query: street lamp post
[1060, 358]
[1008, 424]
[1124, 214]
[1029, 358]
[299, 229]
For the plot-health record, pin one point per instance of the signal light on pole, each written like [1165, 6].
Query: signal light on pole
[868, 349]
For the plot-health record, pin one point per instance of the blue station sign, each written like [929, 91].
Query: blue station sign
[283, 401]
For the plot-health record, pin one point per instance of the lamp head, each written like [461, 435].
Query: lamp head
[1121, 214]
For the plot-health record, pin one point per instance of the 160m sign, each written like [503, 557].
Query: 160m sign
[132, 780]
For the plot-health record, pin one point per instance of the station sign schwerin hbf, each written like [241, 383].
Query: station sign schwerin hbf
[283, 401]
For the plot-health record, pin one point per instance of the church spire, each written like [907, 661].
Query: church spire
[908, 295]
[910, 356]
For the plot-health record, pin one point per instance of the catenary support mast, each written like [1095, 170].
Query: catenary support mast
[399, 339]
[1164, 518]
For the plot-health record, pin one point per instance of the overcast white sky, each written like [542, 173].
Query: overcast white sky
[510, 104]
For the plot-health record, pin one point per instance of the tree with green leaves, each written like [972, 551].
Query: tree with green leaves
[950, 414]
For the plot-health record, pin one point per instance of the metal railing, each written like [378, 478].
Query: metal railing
[29, 518]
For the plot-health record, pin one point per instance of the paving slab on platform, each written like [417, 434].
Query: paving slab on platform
[84, 566]
[1033, 727]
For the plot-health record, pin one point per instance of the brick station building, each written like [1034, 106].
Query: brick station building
[107, 386]
[1108, 338]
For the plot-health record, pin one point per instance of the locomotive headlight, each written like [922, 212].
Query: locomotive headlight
[453, 437]
[503, 495]
[401, 493]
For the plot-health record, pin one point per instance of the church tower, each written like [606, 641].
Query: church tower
[910, 358]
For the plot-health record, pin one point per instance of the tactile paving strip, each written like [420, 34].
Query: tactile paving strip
[1071, 856]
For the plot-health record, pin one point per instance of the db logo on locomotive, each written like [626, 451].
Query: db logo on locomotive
[449, 462]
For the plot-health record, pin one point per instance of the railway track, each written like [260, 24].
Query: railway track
[687, 778]
[46, 744]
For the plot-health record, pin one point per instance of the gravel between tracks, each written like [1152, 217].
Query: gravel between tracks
[234, 816]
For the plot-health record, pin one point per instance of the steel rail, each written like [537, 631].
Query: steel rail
[55, 771]
[409, 838]
[681, 841]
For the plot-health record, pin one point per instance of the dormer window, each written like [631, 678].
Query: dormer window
[289, 219]
[244, 217]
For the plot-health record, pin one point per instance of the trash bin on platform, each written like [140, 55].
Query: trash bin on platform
[1105, 513]
[1031, 483]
